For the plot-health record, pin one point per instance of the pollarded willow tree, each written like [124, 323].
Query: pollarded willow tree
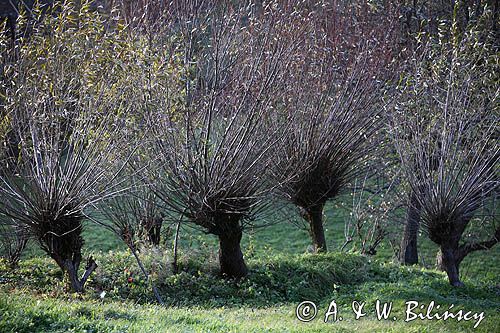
[445, 128]
[334, 95]
[65, 166]
[69, 123]
[213, 151]
[327, 146]
[446, 23]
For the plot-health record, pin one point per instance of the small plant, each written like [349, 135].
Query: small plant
[125, 216]
[372, 209]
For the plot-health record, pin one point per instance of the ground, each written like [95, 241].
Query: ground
[33, 298]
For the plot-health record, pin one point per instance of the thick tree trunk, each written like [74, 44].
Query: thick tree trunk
[232, 264]
[61, 239]
[451, 254]
[450, 265]
[71, 268]
[460, 252]
[316, 230]
[409, 252]
[72, 272]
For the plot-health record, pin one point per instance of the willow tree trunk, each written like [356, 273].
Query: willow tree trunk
[408, 254]
[154, 231]
[315, 218]
[450, 254]
[232, 264]
[61, 239]
[71, 266]
[450, 264]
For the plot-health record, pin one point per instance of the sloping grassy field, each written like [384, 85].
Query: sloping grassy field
[33, 297]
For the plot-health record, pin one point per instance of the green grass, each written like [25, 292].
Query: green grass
[25, 313]
[33, 298]
[265, 302]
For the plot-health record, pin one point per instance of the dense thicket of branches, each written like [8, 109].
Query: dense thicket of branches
[334, 94]
[61, 170]
[14, 240]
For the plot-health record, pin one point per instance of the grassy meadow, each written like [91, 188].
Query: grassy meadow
[34, 298]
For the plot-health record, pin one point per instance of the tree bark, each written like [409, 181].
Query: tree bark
[408, 254]
[460, 252]
[439, 261]
[154, 232]
[316, 230]
[61, 239]
[450, 265]
[232, 264]
[72, 266]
